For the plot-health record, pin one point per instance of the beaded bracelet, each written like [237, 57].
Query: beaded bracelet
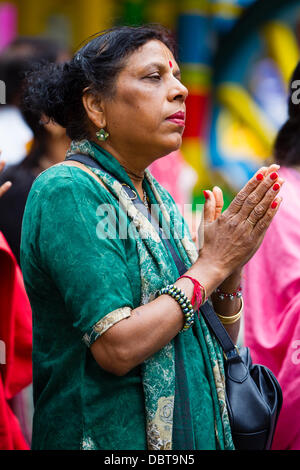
[183, 301]
[230, 296]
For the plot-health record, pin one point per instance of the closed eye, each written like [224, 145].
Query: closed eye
[154, 77]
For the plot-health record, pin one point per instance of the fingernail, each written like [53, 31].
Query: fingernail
[260, 176]
[206, 195]
[276, 187]
[274, 205]
[273, 176]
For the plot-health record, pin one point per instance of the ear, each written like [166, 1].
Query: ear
[93, 105]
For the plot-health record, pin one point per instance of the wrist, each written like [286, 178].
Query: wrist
[231, 319]
[232, 282]
[207, 273]
[228, 296]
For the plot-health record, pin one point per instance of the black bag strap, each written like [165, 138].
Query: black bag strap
[230, 350]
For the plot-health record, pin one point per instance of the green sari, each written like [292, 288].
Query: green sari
[181, 387]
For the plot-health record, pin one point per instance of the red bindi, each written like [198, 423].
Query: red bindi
[170, 64]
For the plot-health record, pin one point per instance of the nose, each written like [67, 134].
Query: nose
[177, 91]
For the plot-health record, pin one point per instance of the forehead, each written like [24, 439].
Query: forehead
[151, 52]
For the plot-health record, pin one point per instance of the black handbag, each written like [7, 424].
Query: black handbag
[253, 394]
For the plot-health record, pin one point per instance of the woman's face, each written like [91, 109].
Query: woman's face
[148, 91]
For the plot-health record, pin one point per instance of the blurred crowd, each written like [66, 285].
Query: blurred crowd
[27, 148]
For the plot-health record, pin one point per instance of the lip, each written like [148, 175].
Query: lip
[177, 118]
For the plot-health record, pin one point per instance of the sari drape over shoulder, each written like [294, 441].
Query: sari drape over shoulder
[272, 307]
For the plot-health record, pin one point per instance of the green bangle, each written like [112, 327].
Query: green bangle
[183, 301]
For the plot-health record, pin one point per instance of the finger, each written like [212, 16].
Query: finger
[240, 198]
[271, 168]
[218, 193]
[209, 207]
[261, 208]
[5, 187]
[272, 180]
[2, 165]
[264, 223]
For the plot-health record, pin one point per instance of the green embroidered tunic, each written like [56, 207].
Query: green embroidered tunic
[80, 283]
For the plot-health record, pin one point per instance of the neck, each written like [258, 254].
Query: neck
[137, 179]
[133, 165]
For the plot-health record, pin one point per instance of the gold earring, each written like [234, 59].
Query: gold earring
[102, 135]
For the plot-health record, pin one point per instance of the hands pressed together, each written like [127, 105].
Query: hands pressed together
[231, 238]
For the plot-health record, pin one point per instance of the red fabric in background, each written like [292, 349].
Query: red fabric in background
[16, 333]
[197, 107]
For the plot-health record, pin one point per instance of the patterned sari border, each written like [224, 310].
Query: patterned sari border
[105, 323]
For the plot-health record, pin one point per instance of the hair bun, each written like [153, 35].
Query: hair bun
[45, 92]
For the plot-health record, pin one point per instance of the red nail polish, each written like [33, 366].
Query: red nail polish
[206, 195]
[274, 176]
[260, 176]
[276, 187]
[274, 205]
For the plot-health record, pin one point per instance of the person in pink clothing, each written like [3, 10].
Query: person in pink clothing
[271, 287]
[176, 176]
[179, 179]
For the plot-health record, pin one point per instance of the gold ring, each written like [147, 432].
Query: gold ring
[251, 223]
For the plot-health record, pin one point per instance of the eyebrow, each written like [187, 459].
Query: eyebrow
[160, 65]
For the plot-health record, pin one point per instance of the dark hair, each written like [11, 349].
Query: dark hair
[57, 90]
[21, 56]
[287, 144]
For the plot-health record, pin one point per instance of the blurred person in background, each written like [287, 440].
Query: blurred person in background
[179, 179]
[15, 60]
[45, 145]
[272, 283]
[176, 176]
[15, 347]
